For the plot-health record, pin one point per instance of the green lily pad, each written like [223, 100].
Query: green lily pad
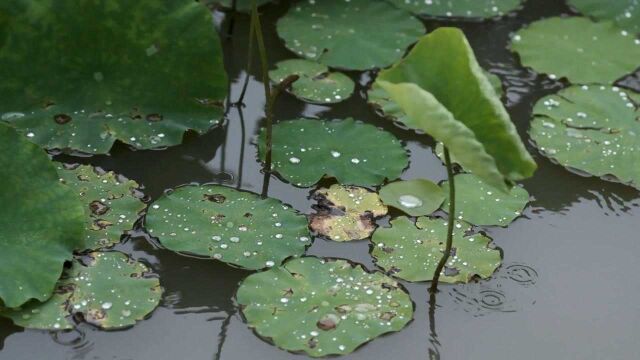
[625, 13]
[459, 8]
[593, 129]
[241, 5]
[235, 227]
[316, 84]
[41, 221]
[111, 203]
[414, 197]
[481, 204]
[306, 150]
[108, 289]
[349, 34]
[346, 213]
[323, 307]
[79, 75]
[412, 252]
[577, 48]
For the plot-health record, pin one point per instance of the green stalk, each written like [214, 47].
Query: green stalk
[249, 61]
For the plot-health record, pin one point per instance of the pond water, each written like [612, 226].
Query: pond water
[567, 289]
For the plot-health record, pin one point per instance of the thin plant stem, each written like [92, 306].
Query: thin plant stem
[232, 21]
[450, 224]
[252, 33]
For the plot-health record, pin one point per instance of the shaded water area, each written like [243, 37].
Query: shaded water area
[567, 289]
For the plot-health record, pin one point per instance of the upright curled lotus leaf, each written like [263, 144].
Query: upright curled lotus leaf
[577, 48]
[475, 9]
[323, 307]
[346, 213]
[625, 13]
[412, 252]
[111, 203]
[306, 150]
[591, 128]
[41, 221]
[444, 92]
[235, 227]
[316, 83]
[339, 33]
[481, 204]
[415, 197]
[80, 74]
[108, 289]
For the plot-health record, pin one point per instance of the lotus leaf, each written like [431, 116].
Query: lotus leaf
[414, 197]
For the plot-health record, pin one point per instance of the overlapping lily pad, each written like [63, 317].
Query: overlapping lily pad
[592, 128]
[346, 213]
[108, 289]
[349, 34]
[479, 9]
[323, 307]
[316, 83]
[412, 252]
[235, 227]
[579, 49]
[481, 204]
[79, 75]
[414, 197]
[625, 13]
[306, 150]
[41, 221]
[111, 203]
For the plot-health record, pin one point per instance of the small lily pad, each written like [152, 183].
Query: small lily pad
[111, 203]
[346, 213]
[481, 204]
[625, 13]
[108, 289]
[579, 49]
[412, 252]
[235, 227]
[306, 150]
[316, 83]
[591, 128]
[479, 9]
[414, 197]
[323, 307]
[349, 34]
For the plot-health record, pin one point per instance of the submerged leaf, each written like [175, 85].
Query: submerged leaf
[459, 8]
[323, 307]
[625, 13]
[414, 197]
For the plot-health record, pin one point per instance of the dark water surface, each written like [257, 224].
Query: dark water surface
[568, 288]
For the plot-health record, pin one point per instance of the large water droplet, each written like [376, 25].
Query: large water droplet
[12, 116]
[294, 160]
[409, 201]
[107, 305]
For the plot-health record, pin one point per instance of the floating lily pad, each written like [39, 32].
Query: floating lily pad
[414, 197]
[346, 213]
[412, 252]
[316, 84]
[111, 203]
[593, 128]
[306, 150]
[349, 34]
[41, 221]
[108, 289]
[459, 8]
[579, 49]
[81, 75]
[481, 204]
[235, 227]
[625, 13]
[323, 307]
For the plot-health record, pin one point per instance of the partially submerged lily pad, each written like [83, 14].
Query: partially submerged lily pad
[67, 84]
[111, 203]
[306, 150]
[349, 34]
[412, 252]
[478, 9]
[316, 83]
[235, 227]
[481, 204]
[577, 48]
[323, 307]
[625, 13]
[414, 197]
[41, 221]
[346, 213]
[593, 129]
[108, 290]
